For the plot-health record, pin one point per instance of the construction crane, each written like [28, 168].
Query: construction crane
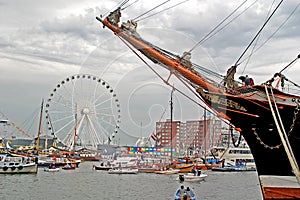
[6, 122]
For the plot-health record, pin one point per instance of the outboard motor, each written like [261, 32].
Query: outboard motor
[181, 178]
[198, 172]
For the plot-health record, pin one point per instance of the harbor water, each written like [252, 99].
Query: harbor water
[85, 183]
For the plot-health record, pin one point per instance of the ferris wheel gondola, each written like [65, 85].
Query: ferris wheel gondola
[83, 110]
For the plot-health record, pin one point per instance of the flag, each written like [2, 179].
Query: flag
[154, 137]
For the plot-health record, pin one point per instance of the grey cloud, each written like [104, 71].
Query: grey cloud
[58, 35]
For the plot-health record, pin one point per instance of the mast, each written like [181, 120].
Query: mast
[141, 129]
[171, 108]
[40, 125]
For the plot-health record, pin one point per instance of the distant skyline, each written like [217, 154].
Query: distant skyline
[43, 42]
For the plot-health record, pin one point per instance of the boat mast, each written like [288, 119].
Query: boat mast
[171, 108]
[40, 125]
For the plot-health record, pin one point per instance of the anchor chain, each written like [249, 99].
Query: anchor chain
[296, 112]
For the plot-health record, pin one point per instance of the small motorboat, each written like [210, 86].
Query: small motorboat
[183, 193]
[69, 167]
[191, 177]
[102, 166]
[197, 176]
[123, 170]
[51, 168]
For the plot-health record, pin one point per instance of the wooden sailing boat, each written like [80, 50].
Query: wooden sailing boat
[273, 139]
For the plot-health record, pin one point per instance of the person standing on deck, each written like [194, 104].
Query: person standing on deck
[249, 81]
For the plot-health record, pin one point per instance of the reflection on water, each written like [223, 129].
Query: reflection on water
[85, 183]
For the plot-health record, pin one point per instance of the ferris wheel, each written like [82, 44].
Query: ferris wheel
[83, 110]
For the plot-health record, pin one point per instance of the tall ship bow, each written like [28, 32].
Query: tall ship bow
[267, 118]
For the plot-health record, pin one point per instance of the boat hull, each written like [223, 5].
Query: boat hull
[147, 170]
[31, 168]
[184, 168]
[52, 169]
[279, 187]
[123, 171]
[168, 171]
[206, 166]
[73, 167]
[256, 123]
[104, 168]
[232, 169]
[177, 196]
[191, 178]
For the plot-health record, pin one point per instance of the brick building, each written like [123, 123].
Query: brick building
[189, 136]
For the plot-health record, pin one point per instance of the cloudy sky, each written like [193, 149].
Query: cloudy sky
[43, 42]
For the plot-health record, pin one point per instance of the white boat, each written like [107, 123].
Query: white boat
[236, 159]
[123, 171]
[232, 169]
[123, 162]
[18, 165]
[190, 177]
[52, 169]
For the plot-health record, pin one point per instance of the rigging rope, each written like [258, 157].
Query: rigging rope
[280, 121]
[289, 64]
[149, 137]
[130, 5]
[229, 22]
[134, 19]
[122, 3]
[253, 48]
[175, 56]
[283, 137]
[166, 82]
[236, 63]
[162, 10]
[273, 33]
[269, 82]
[206, 36]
